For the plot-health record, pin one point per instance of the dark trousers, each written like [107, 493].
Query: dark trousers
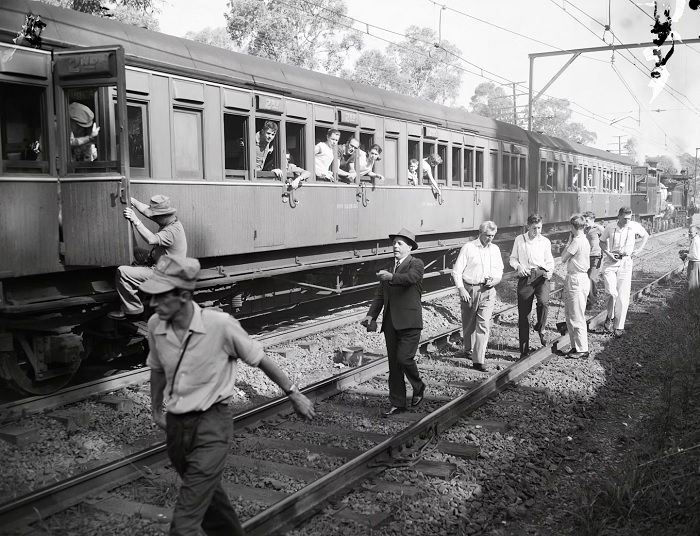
[197, 446]
[593, 275]
[526, 294]
[401, 347]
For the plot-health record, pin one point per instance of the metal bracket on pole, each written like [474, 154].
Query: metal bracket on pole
[546, 87]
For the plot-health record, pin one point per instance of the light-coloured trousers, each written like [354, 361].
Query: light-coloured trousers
[618, 283]
[128, 280]
[576, 289]
[476, 321]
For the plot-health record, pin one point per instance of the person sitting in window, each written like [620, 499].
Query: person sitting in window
[83, 131]
[324, 154]
[589, 181]
[263, 145]
[367, 161]
[299, 175]
[413, 172]
[347, 154]
[429, 162]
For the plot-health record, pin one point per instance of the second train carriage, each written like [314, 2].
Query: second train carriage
[179, 118]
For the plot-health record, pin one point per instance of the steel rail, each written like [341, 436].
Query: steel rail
[290, 511]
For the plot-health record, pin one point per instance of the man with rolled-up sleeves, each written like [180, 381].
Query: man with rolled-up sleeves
[478, 269]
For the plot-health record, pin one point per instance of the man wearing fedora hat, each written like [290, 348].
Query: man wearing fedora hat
[169, 240]
[399, 294]
[194, 354]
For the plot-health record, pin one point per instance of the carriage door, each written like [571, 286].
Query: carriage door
[94, 158]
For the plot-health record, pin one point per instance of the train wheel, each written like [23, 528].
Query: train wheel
[27, 371]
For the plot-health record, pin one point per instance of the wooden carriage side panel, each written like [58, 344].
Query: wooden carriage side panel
[213, 135]
[312, 220]
[159, 105]
[29, 224]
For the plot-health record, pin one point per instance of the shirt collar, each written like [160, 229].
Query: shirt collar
[478, 243]
[196, 324]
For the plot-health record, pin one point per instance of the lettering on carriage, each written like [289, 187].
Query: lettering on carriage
[270, 104]
[348, 117]
[346, 206]
[94, 63]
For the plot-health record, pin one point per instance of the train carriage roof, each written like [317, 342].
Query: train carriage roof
[154, 50]
[557, 144]
[148, 49]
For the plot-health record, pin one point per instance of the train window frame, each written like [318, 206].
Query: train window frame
[137, 171]
[413, 150]
[104, 116]
[440, 170]
[299, 161]
[457, 178]
[514, 165]
[39, 146]
[198, 113]
[493, 164]
[468, 164]
[352, 132]
[505, 170]
[432, 145]
[266, 173]
[391, 162]
[479, 167]
[522, 173]
[233, 173]
[321, 136]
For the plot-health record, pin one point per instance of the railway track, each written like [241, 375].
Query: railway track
[422, 430]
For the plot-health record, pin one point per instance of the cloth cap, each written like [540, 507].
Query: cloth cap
[160, 206]
[81, 114]
[408, 235]
[171, 273]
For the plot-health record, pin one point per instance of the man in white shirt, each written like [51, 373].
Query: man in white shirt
[618, 245]
[532, 259]
[324, 154]
[479, 268]
[576, 255]
[692, 255]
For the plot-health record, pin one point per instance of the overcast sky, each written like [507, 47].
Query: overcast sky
[599, 95]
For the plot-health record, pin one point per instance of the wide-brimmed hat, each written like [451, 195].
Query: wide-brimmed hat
[160, 206]
[171, 273]
[408, 235]
[81, 114]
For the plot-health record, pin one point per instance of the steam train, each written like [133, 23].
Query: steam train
[179, 118]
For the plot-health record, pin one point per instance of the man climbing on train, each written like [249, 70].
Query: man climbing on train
[169, 240]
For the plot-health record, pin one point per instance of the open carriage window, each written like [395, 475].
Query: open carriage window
[91, 130]
[22, 138]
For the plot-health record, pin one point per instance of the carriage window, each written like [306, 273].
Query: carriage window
[514, 172]
[267, 151]
[479, 168]
[22, 138]
[235, 152]
[456, 166]
[366, 141]
[523, 173]
[187, 144]
[494, 169]
[295, 144]
[91, 133]
[441, 176]
[390, 158]
[469, 167]
[505, 167]
[137, 134]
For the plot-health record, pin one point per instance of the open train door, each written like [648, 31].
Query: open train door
[93, 169]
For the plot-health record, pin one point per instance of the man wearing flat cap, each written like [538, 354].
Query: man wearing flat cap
[399, 294]
[169, 240]
[193, 356]
[83, 131]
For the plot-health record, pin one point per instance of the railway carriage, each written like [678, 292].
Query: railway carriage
[179, 118]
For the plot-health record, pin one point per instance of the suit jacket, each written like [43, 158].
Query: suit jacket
[401, 296]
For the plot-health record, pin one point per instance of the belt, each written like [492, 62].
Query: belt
[201, 411]
[689, 260]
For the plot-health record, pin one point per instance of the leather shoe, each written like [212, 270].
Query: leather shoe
[543, 338]
[417, 397]
[393, 410]
[577, 355]
[526, 353]
[480, 367]
[619, 333]
[607, 325]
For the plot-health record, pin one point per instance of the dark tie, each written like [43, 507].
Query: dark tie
[396, 266]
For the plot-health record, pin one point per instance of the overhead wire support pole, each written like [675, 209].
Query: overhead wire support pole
[575, 52]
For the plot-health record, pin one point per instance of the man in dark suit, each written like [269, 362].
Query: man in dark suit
[399, 294]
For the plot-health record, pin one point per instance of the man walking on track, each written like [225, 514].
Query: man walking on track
[478, 269]
[193, 356]
[399, 294]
